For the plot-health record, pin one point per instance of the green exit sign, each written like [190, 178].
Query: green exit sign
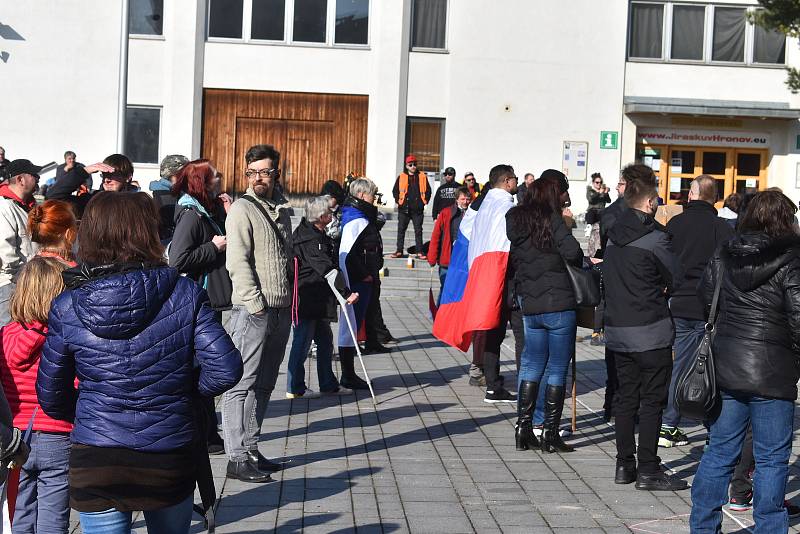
[609, 140]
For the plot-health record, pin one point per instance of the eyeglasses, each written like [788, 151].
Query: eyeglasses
[512, 178]
[449, 174]
[470, 179]
[412, 163]
[113, 176]
[598, 183]
[264, 173]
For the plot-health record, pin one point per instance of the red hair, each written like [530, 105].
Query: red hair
[193, 179]
[52, 225]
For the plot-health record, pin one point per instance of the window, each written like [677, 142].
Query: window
[425, 139]
[769, 46]
[688, 23]
[225, 18]
[267, 20]
[729, 29]
[708, 33]
[352, 21]
[146, 17]
[309, 20]
[142, 127]
[429, 24]
[646, 30]
[317, 22]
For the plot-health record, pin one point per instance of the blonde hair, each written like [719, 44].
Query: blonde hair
[39, 282]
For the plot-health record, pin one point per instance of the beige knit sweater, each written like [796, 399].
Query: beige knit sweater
[256, 258]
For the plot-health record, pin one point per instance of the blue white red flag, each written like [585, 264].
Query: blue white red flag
[353, 223]
[473, 289]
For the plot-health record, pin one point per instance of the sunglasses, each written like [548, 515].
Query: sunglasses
[598, 182]
[449, 174]
[412, 163]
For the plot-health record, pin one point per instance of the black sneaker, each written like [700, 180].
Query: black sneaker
[499, 395]
[659, 482]
[670, 436]
[741, 504]
[391, 340]
[792, 509]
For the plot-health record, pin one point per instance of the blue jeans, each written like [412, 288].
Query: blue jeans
[43, 498]
[174, 519]
[688, 335]
[771, 420]
[549, 343]
[320, 331]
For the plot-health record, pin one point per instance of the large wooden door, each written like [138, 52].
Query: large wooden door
[320, 136]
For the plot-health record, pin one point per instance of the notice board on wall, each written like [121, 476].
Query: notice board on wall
[575, 160]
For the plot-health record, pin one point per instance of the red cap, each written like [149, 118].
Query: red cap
[410, 158]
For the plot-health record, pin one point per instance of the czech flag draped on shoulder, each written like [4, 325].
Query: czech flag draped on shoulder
[473, 291]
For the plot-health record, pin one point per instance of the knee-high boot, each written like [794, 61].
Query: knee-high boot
[350, 379]
[553, 406]
[526, 401]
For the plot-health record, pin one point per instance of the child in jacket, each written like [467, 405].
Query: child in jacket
[42, 503]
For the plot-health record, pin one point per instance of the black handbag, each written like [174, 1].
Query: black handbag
[696, 392]
[584, 284]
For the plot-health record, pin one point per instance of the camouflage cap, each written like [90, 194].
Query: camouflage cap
[171, 164]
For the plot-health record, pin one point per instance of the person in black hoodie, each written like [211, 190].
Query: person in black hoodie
[756, 348]
[197, 250]
[446, 194]
[634, 172]
[315, 307]
[541, 244]
[640, 271]
[694, 248]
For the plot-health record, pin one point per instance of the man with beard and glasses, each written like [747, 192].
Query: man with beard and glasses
[258, 251]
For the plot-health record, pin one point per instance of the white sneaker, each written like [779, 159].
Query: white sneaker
[339, 392]
[307, 394]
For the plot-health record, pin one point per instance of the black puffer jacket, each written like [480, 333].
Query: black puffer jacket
[192, 253]
[608, 218]
[540, 277]
[314, 252]
[757, 341]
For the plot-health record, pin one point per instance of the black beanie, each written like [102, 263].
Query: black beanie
[334, 189]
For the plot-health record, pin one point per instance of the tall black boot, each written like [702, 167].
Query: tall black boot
[526, 402]
[553, 406]
[350, 379]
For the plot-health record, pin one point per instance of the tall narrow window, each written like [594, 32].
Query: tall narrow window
[225, 18]
[647, 30]
[267, 20]
[430, 24]
[141, 134]
[687, 32]
[729, 28]
[309, 20]
[425, 139]
[769, 46]
[352, 21]
[146, 17]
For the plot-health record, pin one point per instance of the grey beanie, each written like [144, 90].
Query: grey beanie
[171, 164]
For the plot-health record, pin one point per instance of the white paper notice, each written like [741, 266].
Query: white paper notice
[674, 185]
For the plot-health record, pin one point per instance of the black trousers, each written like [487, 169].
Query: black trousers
[493, 340]
[403, 218]
[479, 342]
[612, 384]
[741, 484]
[375, 328]
[643, 386]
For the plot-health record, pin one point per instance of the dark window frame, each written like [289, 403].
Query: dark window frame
[444, 48]
[160, 110]
[155, 36]
[407, 139]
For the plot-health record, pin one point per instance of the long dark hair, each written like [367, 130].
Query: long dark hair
[540, 202]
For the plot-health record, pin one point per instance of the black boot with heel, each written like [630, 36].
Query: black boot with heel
[553, 406]
[526, 401]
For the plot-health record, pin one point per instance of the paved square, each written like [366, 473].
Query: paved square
[433, 457]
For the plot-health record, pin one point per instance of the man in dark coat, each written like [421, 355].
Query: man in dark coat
[640, 272]
[696, 234]
[446, 194]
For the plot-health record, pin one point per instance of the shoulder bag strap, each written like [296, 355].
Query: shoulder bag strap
[272, 224]
[712, 316]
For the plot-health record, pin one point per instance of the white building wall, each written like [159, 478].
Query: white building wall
[59, 79]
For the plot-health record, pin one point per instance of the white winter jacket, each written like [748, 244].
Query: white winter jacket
[15, 243]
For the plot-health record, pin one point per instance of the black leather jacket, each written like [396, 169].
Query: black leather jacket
[757, 340]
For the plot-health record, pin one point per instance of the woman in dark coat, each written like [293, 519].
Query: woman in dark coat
[541, 243]
[197, 250]
[315, 307]
[756, 348]
[143, 343]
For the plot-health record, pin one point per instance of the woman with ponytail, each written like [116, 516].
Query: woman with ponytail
[52, 226]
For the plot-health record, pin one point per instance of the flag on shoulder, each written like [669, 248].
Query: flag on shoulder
[473, 290]
[353, 223]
